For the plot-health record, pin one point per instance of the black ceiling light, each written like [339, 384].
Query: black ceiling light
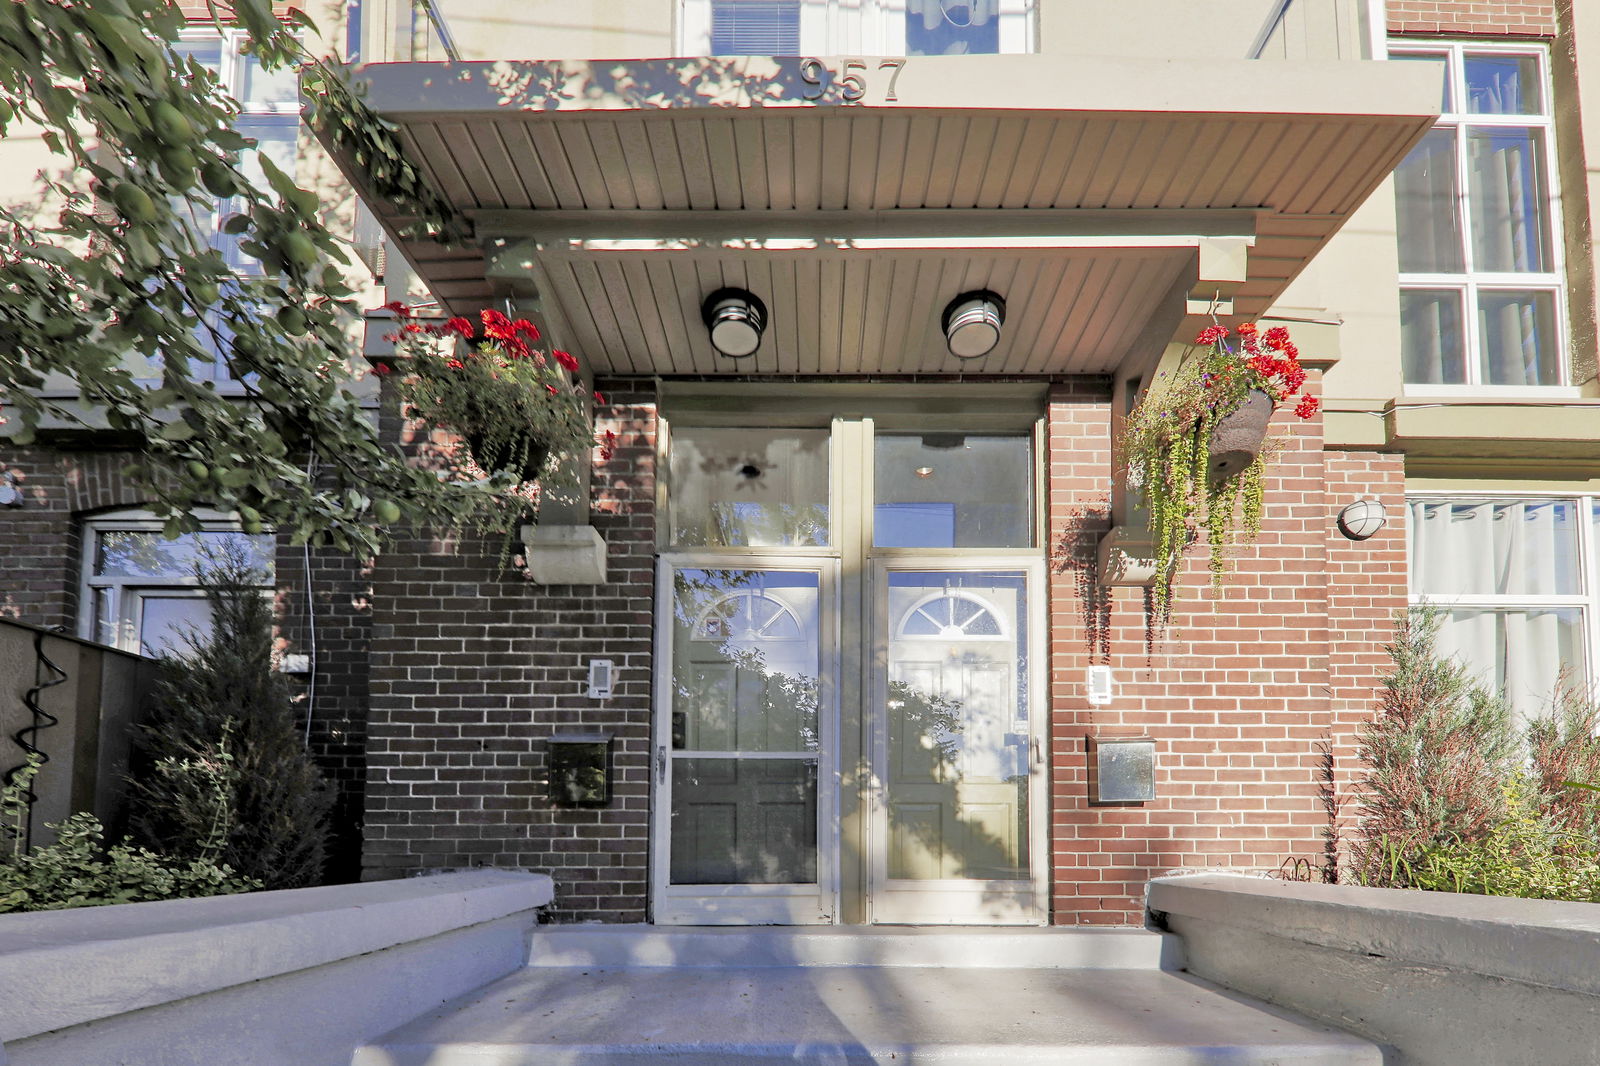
[972, 323]
[735, 319]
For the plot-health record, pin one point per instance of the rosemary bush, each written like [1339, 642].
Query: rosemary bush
[1456, 797]
[221, 767]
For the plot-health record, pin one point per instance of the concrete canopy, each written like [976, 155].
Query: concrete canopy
[1103, 198]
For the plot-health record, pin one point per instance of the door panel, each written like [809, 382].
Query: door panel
[956, 760]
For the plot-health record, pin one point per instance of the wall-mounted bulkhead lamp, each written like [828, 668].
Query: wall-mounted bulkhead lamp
[972, 323]
[735, 319]
[1362, 519]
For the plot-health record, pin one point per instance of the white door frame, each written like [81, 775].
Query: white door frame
[959, 901]
[794, 904]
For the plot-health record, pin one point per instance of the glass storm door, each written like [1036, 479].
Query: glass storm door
[957, 763]
[742, 781]
[849, 645]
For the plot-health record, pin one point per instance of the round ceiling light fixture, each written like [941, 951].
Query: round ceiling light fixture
[735, 319]
[972, 323]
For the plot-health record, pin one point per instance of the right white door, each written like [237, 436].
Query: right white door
[957, 786]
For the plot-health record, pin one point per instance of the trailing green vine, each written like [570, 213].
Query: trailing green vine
[1166, 443]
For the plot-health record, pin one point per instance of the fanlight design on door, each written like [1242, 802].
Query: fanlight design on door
[747, 617]
[951, 616]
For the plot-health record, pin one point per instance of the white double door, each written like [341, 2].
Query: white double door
[868, 749]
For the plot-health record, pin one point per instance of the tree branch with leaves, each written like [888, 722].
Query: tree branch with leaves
[122, 280]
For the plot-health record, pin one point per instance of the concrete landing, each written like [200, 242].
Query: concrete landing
[855, 1012]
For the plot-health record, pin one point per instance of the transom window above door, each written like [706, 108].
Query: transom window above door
[864, 27]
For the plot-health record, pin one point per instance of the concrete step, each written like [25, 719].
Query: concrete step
[603, 996]
[626, 946]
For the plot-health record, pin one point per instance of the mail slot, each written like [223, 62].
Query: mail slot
[1122, 769]
[580, 769]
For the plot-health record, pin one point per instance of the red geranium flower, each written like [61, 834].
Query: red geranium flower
[566, 359]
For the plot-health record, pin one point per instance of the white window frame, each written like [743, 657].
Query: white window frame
[1470, 281]
[857, 27]
[1586, 600]
[230, 76]
[122, 588]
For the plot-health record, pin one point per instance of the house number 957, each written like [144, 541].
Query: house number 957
[851, 78]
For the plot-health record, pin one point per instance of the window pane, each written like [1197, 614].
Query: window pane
[744, 821]
[170, 625]
[949, 490]
[1432, 346]
[264, 88]
[755, 27]
[1427, 212]
[1430, 57]
[1494, 547]
[952, 27]
[749, 487]
[208, 53]
[127, 553]
[1521, 654]
[745, 660]
[1507, 191]
[1503, 85]
[956, 778]
[1517, 338]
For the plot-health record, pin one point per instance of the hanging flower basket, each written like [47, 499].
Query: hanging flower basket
[1237, 438]
[1196, 446]
[514, 407]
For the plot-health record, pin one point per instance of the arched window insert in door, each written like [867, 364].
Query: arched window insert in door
[951, 616]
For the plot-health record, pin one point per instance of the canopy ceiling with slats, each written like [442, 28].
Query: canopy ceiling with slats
[857, 197]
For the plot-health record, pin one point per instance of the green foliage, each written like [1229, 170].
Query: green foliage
[1455, 798]
[1526, 854]
[78, 870]
[96, 290]
[221, 768]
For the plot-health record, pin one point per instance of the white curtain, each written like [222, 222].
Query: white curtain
[1513, 548]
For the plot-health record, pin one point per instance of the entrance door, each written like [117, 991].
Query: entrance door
[849, 637]
[740, 755]
[956, 756]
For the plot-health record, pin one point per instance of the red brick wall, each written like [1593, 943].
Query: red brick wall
[1366, 593]
[473, 671]
[1523, 18]
[1239, 692]
[40, 557]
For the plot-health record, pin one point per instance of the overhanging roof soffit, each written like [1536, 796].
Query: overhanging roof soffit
[1092, 193]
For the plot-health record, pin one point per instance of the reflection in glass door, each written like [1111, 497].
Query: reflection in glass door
[740, 750]
[956, 758]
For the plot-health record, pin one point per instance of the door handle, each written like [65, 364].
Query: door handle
[661, 764]
[1038, 752]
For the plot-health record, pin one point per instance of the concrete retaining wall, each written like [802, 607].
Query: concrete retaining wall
[296, 978]
[1440, 978]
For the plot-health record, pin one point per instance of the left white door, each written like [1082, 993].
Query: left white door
[745, 784]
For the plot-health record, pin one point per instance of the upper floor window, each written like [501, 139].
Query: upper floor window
[1476, 203]
[141, 592]
[865, 27]
[269, 114]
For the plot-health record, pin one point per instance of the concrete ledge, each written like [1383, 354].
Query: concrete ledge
[1440, 977]
[107, 965]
